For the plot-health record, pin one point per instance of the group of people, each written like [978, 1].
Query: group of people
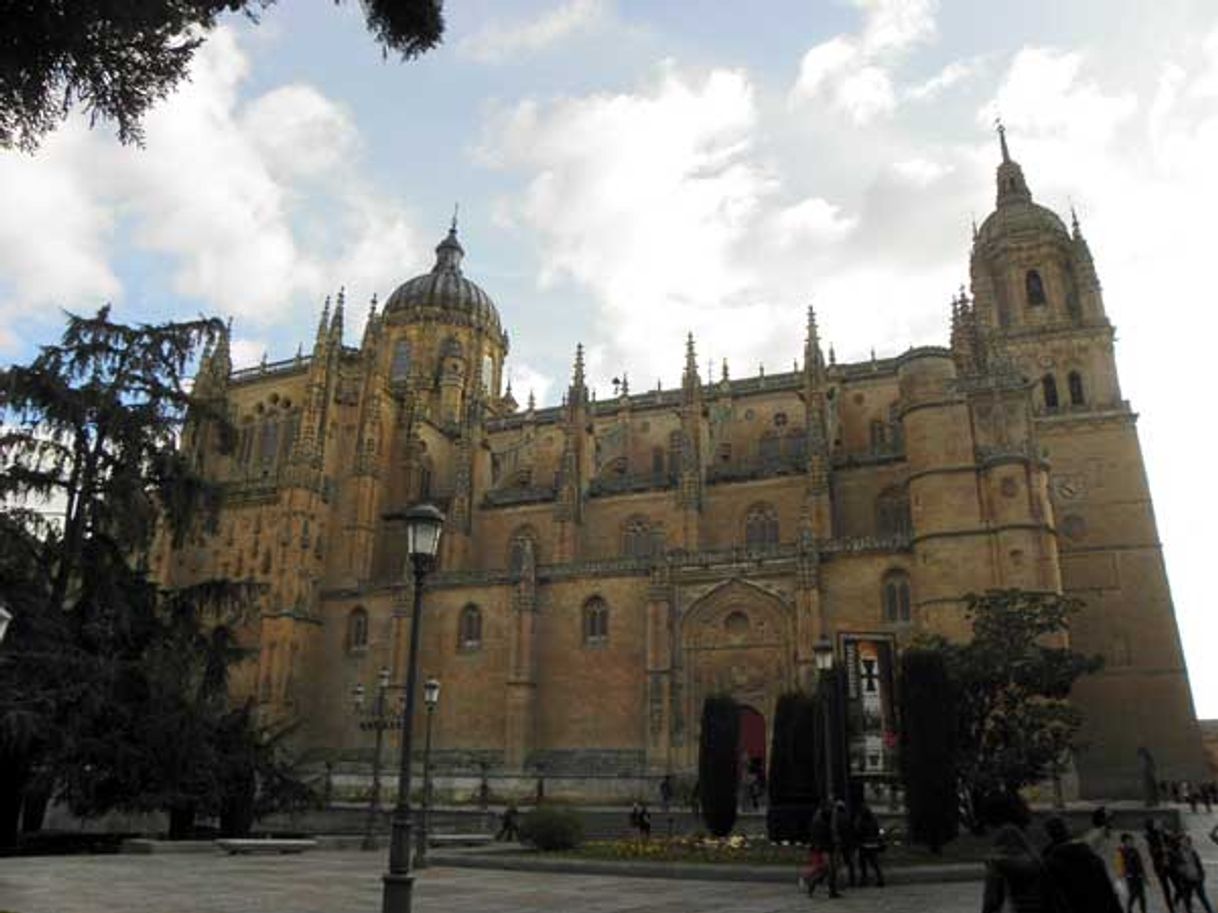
[1194, 794]
[837, 839]
[1070, 876]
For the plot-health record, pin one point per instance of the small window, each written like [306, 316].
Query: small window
[769, 446]
[878, 435]
[892, 513]
[1049, 387]
[400, 369]
[657, 461]
[469, 629]
[797, 445]
[1075, 381]
[1035, 287]
[636, 538]
[596, 622]
[761, 527]
[897, 603]
[488, 374]
[268, 443]
[522, 550]
[357, 630]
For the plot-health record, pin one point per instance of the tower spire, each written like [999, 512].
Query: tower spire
[691, 361]
[323, 325]
[1002, 139]
[336, 323]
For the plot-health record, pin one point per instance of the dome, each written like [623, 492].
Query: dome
[444, 293]
[1021, 218]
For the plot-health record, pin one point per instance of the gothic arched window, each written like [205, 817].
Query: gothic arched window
[488, 374]
[761, 527]
[357, 630]
[1075, 382]
[636, 537]
[469, 628]
[399, 370]
[768, 448]
[1035, 287]
[797, 445]
[522, 544]
[878, 435]
[1049, 387]
[596, 622]
[892, 512]
[897, 603]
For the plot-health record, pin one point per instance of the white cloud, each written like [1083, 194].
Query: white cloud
[811, 220]
[219, 191]
[853, 73]
[527, 380]
[954, 72]
[496, 42]
[920, 172]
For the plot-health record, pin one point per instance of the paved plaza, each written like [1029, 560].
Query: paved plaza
[349, 882]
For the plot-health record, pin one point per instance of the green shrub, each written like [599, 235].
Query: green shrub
[719, 763]
[793, 785]
[550, 828]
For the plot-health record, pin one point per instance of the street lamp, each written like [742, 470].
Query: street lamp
[423, 526]
[431, 697]
[823, 653]
[379, 719]
[5, 617]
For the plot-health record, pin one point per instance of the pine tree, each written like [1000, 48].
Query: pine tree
[794, 785]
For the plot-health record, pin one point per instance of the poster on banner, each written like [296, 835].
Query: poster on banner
[871, 736]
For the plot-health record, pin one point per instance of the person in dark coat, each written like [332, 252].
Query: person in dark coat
[1133, 871]
[509, 827]
[1190, 875]
[1078, 872]
[824, 842]
[843, 836]
[870, 842]
[1015, 878]
[1156, 846]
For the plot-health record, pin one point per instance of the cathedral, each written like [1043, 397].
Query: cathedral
[607, 564]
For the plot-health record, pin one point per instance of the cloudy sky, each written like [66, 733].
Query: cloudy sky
[630, 170]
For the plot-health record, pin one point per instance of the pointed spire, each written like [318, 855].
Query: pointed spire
[691, 360]
[1002, 139]
[577, 375]
[832, 355]
[323, 325]
[974, 220]
[625, 384]
[449, 251]
[1074, 221]
[370, 323]
[724, 376]
[222, 361]
[532, 400]
[336, 323]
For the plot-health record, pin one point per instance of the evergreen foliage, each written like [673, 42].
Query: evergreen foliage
[928, 748]
[114, 693]
[719, 763]
[116, 58]
[548, 827]
[794, 784]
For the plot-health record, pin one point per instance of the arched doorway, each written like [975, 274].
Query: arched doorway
[752, 739]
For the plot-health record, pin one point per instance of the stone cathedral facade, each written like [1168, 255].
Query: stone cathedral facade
[607, 564]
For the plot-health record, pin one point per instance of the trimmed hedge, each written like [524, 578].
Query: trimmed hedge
[719, 763]
[551, 828]
[928, 748]
[794, 786]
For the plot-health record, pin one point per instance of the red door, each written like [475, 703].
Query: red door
[752, 737]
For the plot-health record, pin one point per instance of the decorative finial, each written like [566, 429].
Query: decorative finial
[625, 384]
[456, 209]
[372, 302]
[532, 401]
[832, 355]
[1074, 220]
[578, 373]
[873, 354]
[974, 220]
[1002, 138]
[725, 369]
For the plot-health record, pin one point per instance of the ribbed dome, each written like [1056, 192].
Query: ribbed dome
[1021, 218]
[445, 289]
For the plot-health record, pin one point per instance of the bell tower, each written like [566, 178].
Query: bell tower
[1038, 312]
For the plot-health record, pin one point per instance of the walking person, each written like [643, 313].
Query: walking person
[823, 850]
[1015, 877]
[1156, 846]
[665, 792]
[870, 844]
[1130, 868]
[1190, 874]
[844, 838]
[1078, 872]
[509, 827]
[644, 823]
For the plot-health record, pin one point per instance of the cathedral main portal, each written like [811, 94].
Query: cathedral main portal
[737, 639]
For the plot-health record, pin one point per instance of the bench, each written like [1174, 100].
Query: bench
[241, 846]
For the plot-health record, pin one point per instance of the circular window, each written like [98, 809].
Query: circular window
[780, 419]
[749, 414]
[1074, 526]
[1009, 487]
[736, 623]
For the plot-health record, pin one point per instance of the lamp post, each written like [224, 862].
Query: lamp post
[431, 697]
[378, 721]
[823, 653]
[423, 526]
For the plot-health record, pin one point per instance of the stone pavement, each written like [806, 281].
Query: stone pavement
[349, 881]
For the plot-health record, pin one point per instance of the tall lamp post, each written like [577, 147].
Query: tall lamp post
[379, 719]
[423, 526]
[431, 697]
[823, 653]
